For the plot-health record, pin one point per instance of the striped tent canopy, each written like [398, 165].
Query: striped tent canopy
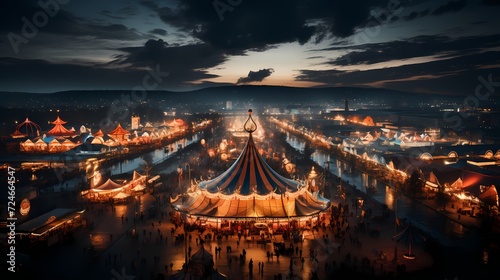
[248, 175]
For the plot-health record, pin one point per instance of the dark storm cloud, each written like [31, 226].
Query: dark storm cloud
[424, 13]
[44, 76]
[455, 75]
[158, 31]
[14, 14]
[414, 47]
[256, 76]
[110, 14]
[249, 25]
[179, 17]
[451, 6]
[122, 13]
[66, 24]
[184, 63]
[414, 15]
[343, 17]
[258, 24]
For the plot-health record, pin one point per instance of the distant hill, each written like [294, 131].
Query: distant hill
[212, 95]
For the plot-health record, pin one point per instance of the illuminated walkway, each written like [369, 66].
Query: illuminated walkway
[138, 256]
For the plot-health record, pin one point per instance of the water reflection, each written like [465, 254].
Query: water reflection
[129, 165]
[158, 156]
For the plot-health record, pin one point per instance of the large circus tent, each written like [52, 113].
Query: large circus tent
[250, 189]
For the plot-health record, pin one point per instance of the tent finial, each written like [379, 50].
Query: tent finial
[250, 125]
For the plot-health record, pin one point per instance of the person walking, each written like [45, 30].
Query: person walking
[250, 267]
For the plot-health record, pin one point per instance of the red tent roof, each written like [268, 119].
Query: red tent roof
[119, 131]
[26, 128]
[58, 121]
[18, 134]
[59, 129]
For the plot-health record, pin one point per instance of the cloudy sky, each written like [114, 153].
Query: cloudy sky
[434, 46]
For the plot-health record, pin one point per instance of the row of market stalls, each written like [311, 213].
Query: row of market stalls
[48, 144]
[471, 173]
[472, 179]
[61, 139]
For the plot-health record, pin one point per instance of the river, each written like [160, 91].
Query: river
[129, 165]
[158, 156]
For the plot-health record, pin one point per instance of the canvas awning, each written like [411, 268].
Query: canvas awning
[108, 186]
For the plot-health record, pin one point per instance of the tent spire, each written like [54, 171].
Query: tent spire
[250, 125]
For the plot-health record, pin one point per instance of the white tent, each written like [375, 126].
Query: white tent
[27, 146]
[40, 145]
